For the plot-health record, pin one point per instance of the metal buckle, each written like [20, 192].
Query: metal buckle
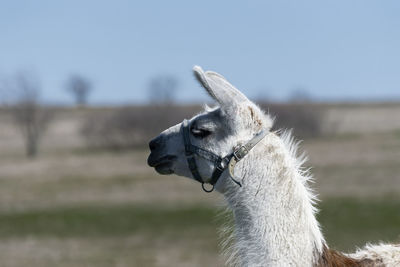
[220, 166]
[240, 153]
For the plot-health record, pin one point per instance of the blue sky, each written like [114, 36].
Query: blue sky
[336, 50]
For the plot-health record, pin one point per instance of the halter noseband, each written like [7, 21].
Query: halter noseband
[220, 164]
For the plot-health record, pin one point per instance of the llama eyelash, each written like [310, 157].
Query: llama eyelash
[200, 133]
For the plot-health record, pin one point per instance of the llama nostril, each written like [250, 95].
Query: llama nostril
[152, 145]
[155, 143]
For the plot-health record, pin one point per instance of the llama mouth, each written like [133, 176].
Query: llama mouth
[164, 168]
[162, 165]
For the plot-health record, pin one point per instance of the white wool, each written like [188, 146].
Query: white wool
[387, 255]
[273, 211]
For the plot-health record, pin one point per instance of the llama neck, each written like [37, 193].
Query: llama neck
[273, 213]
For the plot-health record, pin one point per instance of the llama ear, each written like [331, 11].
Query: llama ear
[219, 88]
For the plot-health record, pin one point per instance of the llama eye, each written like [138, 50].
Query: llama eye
[200, 133]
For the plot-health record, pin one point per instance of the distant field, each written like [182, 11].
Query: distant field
[73, 206]
[122, 235]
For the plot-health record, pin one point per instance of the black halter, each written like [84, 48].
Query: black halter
[220, 164]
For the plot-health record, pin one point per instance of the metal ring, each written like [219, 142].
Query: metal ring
[205, 190]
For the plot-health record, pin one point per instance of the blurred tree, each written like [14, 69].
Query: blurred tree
[4, 91]
[300, 95]
[29, 115]
[80, 88]
[162, 89]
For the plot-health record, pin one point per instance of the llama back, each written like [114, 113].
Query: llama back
[387, 255]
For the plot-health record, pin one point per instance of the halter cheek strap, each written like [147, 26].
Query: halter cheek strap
[220, 163]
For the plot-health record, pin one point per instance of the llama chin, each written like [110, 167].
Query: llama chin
[274, 206]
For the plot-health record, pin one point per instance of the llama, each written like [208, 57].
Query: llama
[232, 149]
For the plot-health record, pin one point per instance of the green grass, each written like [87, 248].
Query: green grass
[112, 235]
[105, 221]
[396, 134]
[346, 223]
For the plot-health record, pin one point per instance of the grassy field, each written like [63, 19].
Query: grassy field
[126, 235]
[76, 207]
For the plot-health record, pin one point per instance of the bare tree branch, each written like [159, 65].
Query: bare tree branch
[29, 115]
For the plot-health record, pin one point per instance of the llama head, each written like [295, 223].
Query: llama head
[219, 130]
